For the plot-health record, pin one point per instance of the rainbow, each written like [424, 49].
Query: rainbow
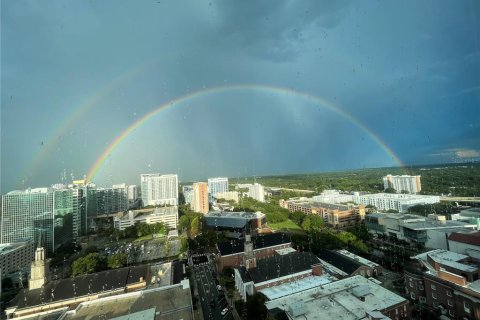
[93, 100]
[229, 88]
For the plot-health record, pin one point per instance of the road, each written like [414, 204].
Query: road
[207, 292]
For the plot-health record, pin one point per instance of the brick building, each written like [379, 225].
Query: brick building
[446, 282]
[231, 253]
[342, 263]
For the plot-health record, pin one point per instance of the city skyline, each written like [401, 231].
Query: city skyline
[90, 89]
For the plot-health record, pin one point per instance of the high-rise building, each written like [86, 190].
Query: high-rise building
[257, 192]
[216, 185]
[112, 200]
[200, 197]
[132, 194]
[69, 209]
[159, 189]
[28, 214]
[188, 194]
[410, 184]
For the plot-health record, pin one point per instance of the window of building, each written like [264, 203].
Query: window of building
[434, 287]
[412, 295]
[450, 302]
[466, 306]
[411, 284]
[421, 287]
[451, 312]
[434, 295]
[449, 293]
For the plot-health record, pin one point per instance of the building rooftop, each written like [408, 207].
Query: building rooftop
[169, 303]
[282, 265]
[260, 241]
[7, 248]
[472, 238]
[350, 298]
[296, 286]
[89, 284]
[343, 262]
[447, 258]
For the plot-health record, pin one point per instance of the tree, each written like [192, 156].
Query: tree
[297, 217]
[306, 224]
[390, 190]
[194, 226]
[256, 306]
[117, 260]
[92, 262]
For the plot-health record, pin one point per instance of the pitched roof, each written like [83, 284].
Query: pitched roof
[65, 289]
[260, 241]
[472, 238]
[340, 261]
[282, 265]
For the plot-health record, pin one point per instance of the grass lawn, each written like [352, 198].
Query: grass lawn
[147, 237]
[287, 224]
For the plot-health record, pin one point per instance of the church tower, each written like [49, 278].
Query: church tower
[249, 260]
[38, 270]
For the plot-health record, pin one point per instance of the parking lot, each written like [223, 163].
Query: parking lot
[212, 299]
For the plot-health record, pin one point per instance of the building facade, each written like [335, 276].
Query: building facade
[28, 214]
[346, 218]
[159, 189]
[446, 283]
[16, 257]
[200, 198]
[216, 185]
[392, 201]
[187, 194]
[166, 215]
[257, 192]
[404, 183]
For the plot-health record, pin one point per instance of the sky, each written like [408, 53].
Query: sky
[268, 87]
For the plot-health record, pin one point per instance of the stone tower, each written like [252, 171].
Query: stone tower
[38, 270]
[249, 260]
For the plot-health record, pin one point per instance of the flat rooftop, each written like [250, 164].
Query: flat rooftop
[239, 215]
[339, 299]
[296, 286]
[166, 303]
[448, 258]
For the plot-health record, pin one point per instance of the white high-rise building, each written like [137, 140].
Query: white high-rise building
[188, 194]
[159, 189]
[411, 184]
[216, 185]
[132, 194]
[257, 192]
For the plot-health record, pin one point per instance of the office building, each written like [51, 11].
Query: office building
[159, 189]
[445, 282]
[235, 221]
[187, 194]
[132, 194]
[166, 215]
[16, 257]
[112, 200]
[216, 185]
[228, 196]
[352, 298]
[392, 201]
[334, 196]
[346, 218]
[465, 242]
[257, 192]
[410, 184]
[200, 198]
[28, 214]
[431, 231]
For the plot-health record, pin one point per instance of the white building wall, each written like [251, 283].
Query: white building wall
[159, 189]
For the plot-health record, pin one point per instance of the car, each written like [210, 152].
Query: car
[224, 311]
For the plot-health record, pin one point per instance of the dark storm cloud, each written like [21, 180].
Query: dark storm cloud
[271, 30]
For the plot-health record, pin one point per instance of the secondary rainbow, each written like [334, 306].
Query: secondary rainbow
[321, 102]
[74, 118]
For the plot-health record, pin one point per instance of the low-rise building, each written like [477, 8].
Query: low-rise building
[166, 215]
[231, 253]
[16, 257]
[346, 218]
[285, 266]
[235, 221]
[465, 242]
[352, 298]
[446, 282]
[431, 231]
[228, 196]
[342, 263]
